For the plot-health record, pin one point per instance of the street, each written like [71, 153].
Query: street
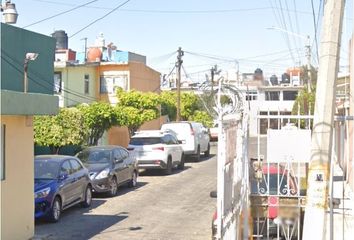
[177, 206]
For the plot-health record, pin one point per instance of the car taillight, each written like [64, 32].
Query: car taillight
[158, 148]
[130, 148]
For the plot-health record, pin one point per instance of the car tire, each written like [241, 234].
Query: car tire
[88, 197]
[113, 187]
[55, 210]
[168, 169]
[207, 152]
[197, 156]
[181, 163]
[134, 181]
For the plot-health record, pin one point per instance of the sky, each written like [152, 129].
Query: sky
[223, 32]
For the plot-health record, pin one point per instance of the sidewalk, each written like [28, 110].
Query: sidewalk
[343, 216]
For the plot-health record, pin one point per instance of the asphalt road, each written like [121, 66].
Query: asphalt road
[175, 207]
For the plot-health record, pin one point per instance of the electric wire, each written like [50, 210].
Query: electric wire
[100, 18]
[59, 14]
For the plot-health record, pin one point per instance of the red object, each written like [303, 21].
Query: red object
[159, 148]
[215, 215]
[157, 162]
[94, 54]
[273, 207]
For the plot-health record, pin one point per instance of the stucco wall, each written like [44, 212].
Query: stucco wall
[17, 198]
[15, 43]
[120, 135]
[73, 81]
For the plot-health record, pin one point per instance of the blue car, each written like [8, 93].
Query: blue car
[60, 182]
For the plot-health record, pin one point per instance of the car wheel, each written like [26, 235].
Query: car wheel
[55, 211]
[181, 164]
[113, 187]
[197, 156]
[207, 152]
[134, 181]
[88, 197]
[168, 169]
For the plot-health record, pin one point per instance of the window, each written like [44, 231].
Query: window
[117, 155]
[124, 153]
[289, 95]
[272, 96]
[138, 141]
[87, 84]
[251, 95]
[76, 166]
[65, 168]
[109, 84]
[2, 152]
[57, 82]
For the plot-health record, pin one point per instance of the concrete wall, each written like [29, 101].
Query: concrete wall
[15, 43]
[17, 197]
[73, 81]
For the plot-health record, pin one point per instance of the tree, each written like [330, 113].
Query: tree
[304, 103]
[169, 104]
[99, 117]
[202, 117]
[189, 104]
[66, 128]
[136, 108]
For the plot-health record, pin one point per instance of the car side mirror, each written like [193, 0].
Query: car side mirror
[180, 142]
[118, 160]
[63, 176]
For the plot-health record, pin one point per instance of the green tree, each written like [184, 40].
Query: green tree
[189, 104]
[99, 117]
[304, 103]
[136, 108]
[202, 117]
[169, 104]
[66, 128]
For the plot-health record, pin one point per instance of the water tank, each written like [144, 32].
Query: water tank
[61, 39]
[274, 80]
[94, 54]
[285, 78]
[258, 74]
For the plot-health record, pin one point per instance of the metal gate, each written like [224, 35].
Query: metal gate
[278, 178]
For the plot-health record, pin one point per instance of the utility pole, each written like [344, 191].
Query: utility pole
[308, 57]
[214, 71]
[179, 62]
[85, 39]
[318, 178]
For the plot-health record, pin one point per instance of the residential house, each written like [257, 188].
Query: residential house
[95, 75]
[17, 111]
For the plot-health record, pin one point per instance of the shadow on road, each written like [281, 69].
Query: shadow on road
[202, 158]
[159, 173]
[79, 223]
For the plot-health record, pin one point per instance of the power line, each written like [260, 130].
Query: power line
[100, 18]
[61, 13]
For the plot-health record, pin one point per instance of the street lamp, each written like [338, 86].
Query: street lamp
[29, 57]
[9, 12]
[308, 51]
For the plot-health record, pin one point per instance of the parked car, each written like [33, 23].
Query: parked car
[109, 167]
[214, 131]
[59, 183]
[193, 136]
[278, 187]
[157, 150]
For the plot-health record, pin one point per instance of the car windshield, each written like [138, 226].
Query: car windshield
[138, 141]
[46, 169]
[95, 156]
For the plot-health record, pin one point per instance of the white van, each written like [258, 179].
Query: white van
[193, 136]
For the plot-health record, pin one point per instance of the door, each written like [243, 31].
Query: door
[128, 164]
[66, 185]
[79, 179]
[119, 166]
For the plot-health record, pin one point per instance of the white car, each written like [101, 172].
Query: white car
[157, 150]
[193, 136]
